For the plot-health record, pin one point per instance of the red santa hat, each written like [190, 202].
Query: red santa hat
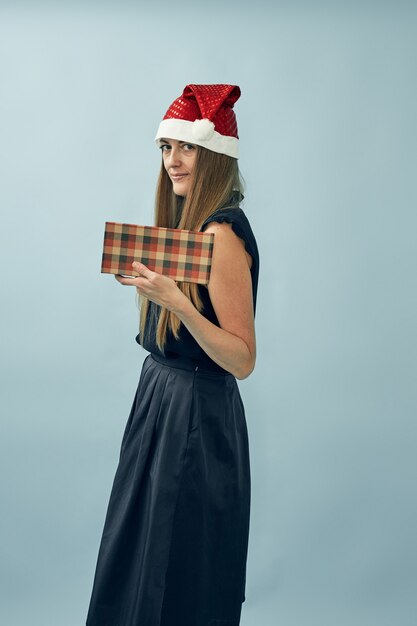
[203, 115]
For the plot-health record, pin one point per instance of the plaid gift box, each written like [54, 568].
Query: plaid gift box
[180, 254]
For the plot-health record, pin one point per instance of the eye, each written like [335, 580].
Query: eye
[165, 147]
[188, 146]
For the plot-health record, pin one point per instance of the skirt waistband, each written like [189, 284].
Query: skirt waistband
[185, 363]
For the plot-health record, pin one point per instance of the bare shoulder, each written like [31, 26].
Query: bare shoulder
[226, 243]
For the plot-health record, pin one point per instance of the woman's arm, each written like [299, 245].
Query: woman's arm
[232, 346]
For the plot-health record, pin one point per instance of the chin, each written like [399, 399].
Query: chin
[180, 190]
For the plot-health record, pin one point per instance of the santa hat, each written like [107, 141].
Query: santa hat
[204, 115]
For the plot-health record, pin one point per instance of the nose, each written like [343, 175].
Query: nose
[173, 157]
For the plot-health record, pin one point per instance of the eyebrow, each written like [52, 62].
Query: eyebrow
[167, 141]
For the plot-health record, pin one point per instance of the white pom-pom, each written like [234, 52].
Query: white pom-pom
[203, 130]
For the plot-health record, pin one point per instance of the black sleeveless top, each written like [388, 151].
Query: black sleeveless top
[186, 345]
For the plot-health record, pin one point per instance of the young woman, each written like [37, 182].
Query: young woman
[175, 538]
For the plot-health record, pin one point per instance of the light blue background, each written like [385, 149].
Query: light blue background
[327, 121]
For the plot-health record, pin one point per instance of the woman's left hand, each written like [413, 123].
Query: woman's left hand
[156, 287]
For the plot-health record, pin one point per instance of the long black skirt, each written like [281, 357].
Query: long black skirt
[174, 545]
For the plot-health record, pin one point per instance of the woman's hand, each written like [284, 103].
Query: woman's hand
[156, 287]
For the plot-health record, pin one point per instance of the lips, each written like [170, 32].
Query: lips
[178, 177]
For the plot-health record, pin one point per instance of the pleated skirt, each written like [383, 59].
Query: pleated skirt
[174, 545]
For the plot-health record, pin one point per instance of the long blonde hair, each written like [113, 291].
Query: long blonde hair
[215, 176]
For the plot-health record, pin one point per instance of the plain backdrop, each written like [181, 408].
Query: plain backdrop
[327, 123]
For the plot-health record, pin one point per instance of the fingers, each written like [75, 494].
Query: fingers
[144, 275]
[125, 280]
[156, 287]
[142, 270]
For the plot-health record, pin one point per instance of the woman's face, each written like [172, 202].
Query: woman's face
[179, 159]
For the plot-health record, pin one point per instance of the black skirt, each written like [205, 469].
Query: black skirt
[174, 545]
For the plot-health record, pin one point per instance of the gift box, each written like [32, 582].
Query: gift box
[182, 255]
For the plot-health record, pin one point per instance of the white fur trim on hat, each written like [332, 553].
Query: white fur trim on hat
[201, 133]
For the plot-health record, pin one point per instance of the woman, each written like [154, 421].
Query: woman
[175, 539]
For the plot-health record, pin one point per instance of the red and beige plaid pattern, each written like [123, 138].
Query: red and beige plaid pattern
[180, 254]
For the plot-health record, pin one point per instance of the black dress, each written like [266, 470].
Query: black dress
[174, 545]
